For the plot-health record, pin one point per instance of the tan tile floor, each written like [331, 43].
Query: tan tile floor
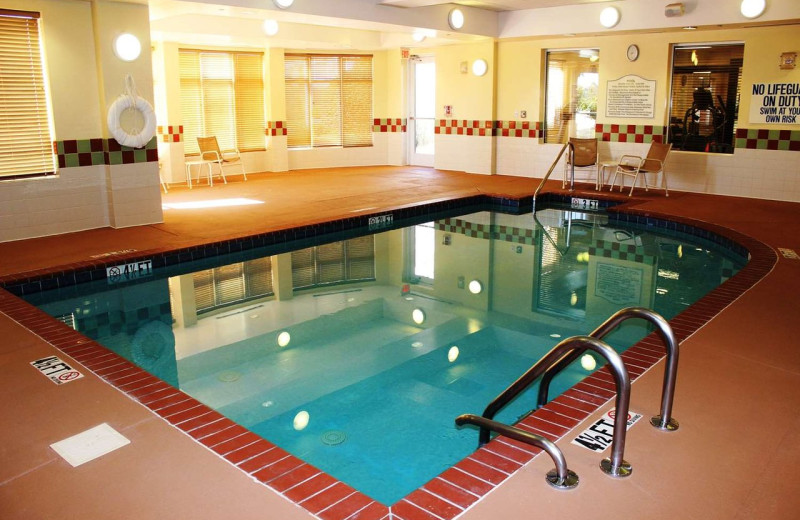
[737, 396]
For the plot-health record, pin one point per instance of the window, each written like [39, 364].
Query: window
[347, 261]
[571, 94]
[222, 95]
[234, 283]
[704, 103]
[328, 100]
[26, 145]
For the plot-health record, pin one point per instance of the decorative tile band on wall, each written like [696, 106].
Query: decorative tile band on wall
[94, 152]
[518, 129]
[763, 139]
[617, 251]
[464, 127]
[170, 133]
[392, 124]
[629, 133]
[276, 128]
[484, 231]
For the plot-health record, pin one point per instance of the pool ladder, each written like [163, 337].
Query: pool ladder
[564, 353]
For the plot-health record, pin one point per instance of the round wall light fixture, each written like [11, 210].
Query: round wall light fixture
[418, 315]
[284, 338]
[270, 27]
[753, 8]
[127, 47]
[609, 17]
[283, 4]
[479, 67]
[475, 287]
[455, 19]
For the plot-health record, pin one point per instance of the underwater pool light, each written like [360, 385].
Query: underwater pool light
[452, 354]
[588, 362]
[475, 287]
[284, 338]
[301, 420]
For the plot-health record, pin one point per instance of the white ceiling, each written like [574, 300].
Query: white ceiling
[502, 5]
[384, 24]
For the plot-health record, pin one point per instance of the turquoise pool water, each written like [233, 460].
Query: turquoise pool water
[340, 373]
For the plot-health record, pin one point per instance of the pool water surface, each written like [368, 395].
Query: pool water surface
[343, 355]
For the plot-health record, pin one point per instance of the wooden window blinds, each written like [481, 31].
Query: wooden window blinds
[222, 95]
[226, 285]
[26, 146]
[351, 260]
[328, 100]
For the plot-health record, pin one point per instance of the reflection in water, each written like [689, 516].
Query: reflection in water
[348, 333]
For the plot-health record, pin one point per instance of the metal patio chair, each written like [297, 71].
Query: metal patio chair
[652, 164]
[210, 151]
[584, 155]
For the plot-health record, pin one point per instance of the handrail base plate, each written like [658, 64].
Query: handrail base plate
[671, 425]
[623, 470]
[568, 483]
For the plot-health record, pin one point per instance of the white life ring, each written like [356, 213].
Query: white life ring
[120, 105]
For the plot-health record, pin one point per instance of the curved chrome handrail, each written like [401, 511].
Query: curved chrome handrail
[664, 421]
[547, 175]
[615, 465]
[561, 477]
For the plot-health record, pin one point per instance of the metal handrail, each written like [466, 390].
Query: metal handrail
[560, 477]
[615, 466]
[547, 175]
[663, 421]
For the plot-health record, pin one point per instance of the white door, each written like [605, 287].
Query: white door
[421, 121]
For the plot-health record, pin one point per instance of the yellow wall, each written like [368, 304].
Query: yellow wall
[520, 67]
[471, 97]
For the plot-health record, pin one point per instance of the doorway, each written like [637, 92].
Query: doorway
[422, 103]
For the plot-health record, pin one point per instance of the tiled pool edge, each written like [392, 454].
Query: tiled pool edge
[447, 495]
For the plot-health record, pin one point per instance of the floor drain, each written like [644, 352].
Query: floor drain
[229, 377]
[333, 437]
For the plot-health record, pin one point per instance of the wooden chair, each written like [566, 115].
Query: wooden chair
[652, 164]
[583, 154]
[209, 151]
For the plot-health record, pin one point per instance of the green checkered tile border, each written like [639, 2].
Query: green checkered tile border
[765, 139]
[619, 251]
[629, 133]
[94, 152]
[484, 231]
[111, 323]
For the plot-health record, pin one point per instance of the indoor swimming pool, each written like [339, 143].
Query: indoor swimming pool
[357, 355]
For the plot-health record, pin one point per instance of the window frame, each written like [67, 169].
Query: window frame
[246, 123]
[30, 153]
[730, 126]
[305, 131]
